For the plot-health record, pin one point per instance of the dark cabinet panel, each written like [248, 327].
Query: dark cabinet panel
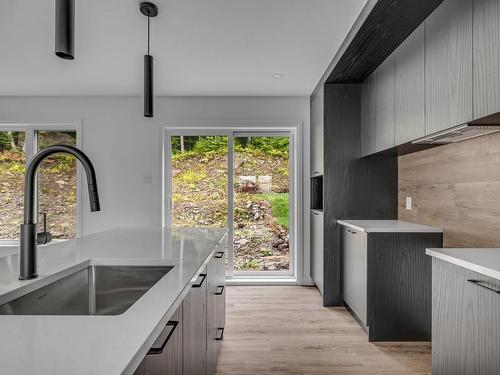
[409, 97]
[168, 361]
[465, 316]
[448, 65]
[194, 333]
[486, 34]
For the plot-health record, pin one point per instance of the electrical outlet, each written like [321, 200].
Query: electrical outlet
[147, 179]
[408, 203]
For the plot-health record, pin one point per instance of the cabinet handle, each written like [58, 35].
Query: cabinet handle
[221, 330]
[218, 293]
[482, 284]
[219, 254]
[203, 277]
[159, 349]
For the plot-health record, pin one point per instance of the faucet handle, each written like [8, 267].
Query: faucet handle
[44, 237]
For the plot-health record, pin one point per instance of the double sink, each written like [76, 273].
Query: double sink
[94, 290]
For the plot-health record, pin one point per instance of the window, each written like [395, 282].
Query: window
[57, 181]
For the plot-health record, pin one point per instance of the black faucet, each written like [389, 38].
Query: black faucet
[28, 268]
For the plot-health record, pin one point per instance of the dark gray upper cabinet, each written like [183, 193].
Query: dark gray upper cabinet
[409, 78]
[384, 114]
[486, 57]
[368, 112]
[465, 329]
[448, 65]
[317, 137]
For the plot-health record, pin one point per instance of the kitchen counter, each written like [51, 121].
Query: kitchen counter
[100, 344]
[483, 261]
[388, 226]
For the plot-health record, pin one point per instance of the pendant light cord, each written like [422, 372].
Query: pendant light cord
[148, 35]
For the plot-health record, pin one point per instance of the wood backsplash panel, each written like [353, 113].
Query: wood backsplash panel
[455, 187]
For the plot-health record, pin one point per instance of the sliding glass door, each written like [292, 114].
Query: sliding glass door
[242, 181]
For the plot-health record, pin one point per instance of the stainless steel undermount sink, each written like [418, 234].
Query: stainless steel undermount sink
[95, 290]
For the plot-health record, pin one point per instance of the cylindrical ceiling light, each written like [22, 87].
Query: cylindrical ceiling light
[149, 10]
[65, 29]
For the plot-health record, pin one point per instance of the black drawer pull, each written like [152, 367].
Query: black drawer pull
[159, 350]
[221, 336]
[203, 277]
[482, 284]
[219, 291]
[219, 254]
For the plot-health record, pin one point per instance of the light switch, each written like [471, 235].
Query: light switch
[408, 203]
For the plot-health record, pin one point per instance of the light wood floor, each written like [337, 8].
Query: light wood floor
[285, 330]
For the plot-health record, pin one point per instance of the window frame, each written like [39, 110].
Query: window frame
[31, 142]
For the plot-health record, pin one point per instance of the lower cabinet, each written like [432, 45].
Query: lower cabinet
[354, 254]
[190, 342]
[386, 282]
[194, 332]
[165, 356]
[317, 252]
[216, 297]
[465, 317]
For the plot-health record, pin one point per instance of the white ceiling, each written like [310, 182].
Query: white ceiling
[200, 47]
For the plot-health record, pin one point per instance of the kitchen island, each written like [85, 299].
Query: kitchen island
[465, 311]
[113, 344]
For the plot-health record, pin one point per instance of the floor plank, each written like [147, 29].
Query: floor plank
[285, 330]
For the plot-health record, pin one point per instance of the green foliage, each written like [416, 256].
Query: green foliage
[191, 177]
[5, 140]
[216, 145]
[279, 206]
[266, 252]
[249, 265]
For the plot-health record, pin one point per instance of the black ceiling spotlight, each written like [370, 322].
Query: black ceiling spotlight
[149, 10]
[65, 29]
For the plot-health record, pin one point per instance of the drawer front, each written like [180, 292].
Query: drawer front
[465, 321]
[354, 271]
[165, 356]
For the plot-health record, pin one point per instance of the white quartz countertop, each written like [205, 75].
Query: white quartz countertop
[483, 261]
[389, 226]
[100, 344]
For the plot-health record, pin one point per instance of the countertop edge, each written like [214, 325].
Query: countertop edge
[435, 253]
[389, 230]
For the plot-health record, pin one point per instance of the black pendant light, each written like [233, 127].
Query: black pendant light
[65, 29]
[149, 10]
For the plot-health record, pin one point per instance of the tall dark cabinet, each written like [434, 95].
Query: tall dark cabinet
[354, 187]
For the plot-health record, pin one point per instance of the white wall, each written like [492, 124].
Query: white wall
[124, 146]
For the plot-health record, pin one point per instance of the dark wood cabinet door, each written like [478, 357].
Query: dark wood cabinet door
[465, 321]
[169, 361]
[194, 333]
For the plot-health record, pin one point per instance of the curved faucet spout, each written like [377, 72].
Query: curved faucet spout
[28, 228]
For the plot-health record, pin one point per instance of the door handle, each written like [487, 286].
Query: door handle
[159, 349]
[218, 293]
[221, 336]
[203, 277]
[482, 284]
